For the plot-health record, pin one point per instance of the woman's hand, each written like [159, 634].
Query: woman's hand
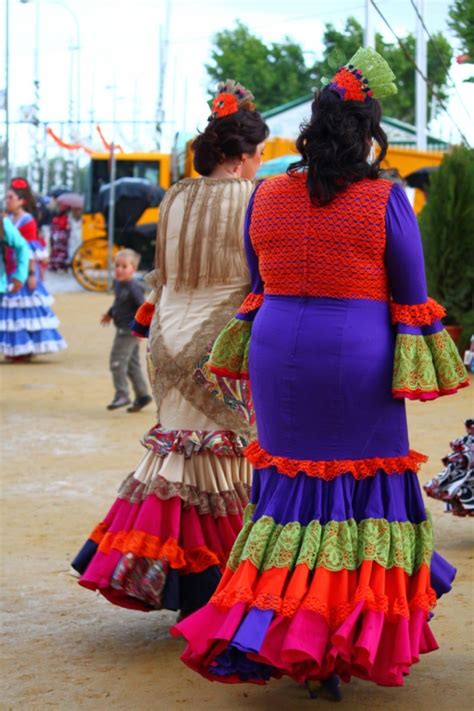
[32, 282]
[105, 320]
[15, 285]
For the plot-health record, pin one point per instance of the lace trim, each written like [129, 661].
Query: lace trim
[417, 314]
[230, 352]
[359, 468]
[222, 443]
[335, 546]
[334, 614]
[177, 371]
[427, 367]
[143, 318]
[250, 303]
[99, 532]
[145, 545]
[144, 315]
[226, 503]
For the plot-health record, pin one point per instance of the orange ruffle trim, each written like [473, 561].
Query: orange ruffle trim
[359, 468]
[146, 545]
[99, 532]
[250, 303]
[144, 315]
[417, 314]
[330, 594]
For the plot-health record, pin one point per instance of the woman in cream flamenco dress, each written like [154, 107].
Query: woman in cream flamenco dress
[167, 536]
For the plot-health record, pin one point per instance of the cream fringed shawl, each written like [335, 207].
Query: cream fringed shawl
[203, 219]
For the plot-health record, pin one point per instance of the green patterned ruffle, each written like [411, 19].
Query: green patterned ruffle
[230, 352]
[335, 546]
[427, 365]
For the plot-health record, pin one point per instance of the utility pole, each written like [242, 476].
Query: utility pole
[7, 107]
[113, 175]
[35, 171]
[163, 58]
[369, 31]
[421, 105]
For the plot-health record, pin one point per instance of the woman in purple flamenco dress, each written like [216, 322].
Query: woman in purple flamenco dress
[333, 574]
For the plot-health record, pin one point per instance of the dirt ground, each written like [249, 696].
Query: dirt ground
[63, 457]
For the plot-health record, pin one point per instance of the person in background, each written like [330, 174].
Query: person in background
[166, 538]
[31, 325]
[59, 239]
[125, 354]
[75, 231]
[14, 258]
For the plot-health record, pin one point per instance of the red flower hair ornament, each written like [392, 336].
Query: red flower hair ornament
[230, 98]
[19, 184]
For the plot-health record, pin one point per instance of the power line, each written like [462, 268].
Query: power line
[440, 56]
[407, 54]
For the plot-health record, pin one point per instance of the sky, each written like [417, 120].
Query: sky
[119, 68]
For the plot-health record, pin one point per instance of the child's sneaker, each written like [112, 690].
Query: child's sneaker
[118, 401]
[139, 403]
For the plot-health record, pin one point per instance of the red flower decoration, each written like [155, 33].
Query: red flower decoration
[351, 84]
[224, 105]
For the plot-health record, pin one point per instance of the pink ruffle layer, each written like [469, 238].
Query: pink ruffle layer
[144, 528]
[366, 645]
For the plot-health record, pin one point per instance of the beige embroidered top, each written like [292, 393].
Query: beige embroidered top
[200, 280]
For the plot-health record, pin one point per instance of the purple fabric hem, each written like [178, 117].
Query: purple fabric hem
[395, 497]
[433, 328]
[246, 317]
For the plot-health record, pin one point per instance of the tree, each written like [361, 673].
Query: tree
[339, 47]
[278, 72]
[461, 14]
[275, 73]
[446, 226]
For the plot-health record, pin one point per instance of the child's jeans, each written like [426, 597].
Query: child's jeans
[125, 361]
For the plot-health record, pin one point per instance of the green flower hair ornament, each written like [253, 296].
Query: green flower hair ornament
[367, 75]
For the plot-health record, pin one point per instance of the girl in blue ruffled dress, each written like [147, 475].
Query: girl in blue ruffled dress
[28, 326]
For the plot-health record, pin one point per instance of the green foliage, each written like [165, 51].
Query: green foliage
[275, 73]
[461, 14]
[340, 46]
[446, 225]
[278, 73]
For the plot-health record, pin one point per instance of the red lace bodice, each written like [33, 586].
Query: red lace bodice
[335, 250]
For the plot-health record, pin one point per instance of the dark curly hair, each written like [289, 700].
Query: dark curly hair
[335, 144]
[228, 137]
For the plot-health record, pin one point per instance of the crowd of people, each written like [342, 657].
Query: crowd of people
[289, 543]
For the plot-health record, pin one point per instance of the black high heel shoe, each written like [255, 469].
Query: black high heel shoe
[329, 688]
[332, 688]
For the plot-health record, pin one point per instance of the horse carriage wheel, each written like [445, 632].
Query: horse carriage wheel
[90, 263]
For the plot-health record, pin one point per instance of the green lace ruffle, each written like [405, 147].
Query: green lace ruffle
[335, 546]
[427, 365]
[230, 352]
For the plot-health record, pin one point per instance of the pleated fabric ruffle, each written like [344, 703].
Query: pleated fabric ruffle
[167, 537]
[27, 323]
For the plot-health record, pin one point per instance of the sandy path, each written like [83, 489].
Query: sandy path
[63, 457]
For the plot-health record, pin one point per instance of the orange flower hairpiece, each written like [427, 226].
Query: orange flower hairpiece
[224, 105]
[231, 97]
